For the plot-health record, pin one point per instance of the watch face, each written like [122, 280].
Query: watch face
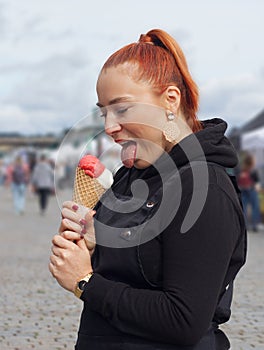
[82, 284]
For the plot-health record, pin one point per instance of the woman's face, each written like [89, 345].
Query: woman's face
[134, 116]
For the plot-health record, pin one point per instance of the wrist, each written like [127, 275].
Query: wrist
[81, 284]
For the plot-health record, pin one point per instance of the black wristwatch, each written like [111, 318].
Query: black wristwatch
[80, 285]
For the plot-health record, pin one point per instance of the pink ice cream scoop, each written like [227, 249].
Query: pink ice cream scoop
[92, 179]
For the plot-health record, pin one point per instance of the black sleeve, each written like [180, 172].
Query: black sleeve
[194, 267]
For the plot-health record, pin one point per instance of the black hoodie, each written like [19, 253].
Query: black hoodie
[163, 262]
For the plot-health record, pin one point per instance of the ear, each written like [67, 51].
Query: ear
[172, 96]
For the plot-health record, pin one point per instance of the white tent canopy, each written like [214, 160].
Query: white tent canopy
[253, 139]
[253, 142]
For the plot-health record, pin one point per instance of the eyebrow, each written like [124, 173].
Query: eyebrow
[115, 100]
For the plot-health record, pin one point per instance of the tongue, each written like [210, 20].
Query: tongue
[128, 154]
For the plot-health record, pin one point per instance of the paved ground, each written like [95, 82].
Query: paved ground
[38, 314]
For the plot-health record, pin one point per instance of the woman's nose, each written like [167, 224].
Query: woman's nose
[111, 124]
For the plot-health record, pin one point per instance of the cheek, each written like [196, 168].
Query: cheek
[154, 135]
[148, 132]
[146, 124]
[148, 136]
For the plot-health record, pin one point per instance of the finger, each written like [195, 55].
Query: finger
[82, 211]
[81, 244]
[61, 242]
[77, 215]
[89, 218]
[72, 235]
[70, 225]
[67, 225]
[61, 228]
[53, 259]
[75, 207]
[56, 251]
[90, 221]
[51, 269]
[90, 237]
[70, 205]
[90, 243]
[70, 214]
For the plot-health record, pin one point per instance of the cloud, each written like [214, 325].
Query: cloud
[3, 20]
[36, 29]
[17, 119]
[236, 99]
[53, 93]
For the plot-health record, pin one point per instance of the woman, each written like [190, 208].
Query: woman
[18, 176]
[43, 182]
[173, 238]
[249, 184]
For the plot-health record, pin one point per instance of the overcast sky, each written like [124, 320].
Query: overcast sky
[52, 50]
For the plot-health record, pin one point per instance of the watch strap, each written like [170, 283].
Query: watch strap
[78, 291]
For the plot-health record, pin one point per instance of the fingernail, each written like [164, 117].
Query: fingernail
[83, 222]
[75, 207]
[81, 235]
[83, 231]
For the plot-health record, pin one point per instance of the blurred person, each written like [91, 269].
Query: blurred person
[42, 182]
[249, 184]
[156, 278]
[17, 175]
[2, 172]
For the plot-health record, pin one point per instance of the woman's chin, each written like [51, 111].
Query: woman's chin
[142, 164]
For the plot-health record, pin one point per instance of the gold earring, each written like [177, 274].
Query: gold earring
[170, 129]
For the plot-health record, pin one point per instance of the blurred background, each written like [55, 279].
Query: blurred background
[50, 55]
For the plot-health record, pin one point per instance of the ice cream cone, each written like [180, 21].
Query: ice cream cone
[87, 190]
[92, 179]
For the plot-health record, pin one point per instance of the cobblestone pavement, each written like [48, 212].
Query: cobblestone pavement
[36, 313]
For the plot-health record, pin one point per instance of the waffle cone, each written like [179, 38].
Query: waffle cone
[87, 191]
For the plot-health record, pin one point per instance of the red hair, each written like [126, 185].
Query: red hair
[161, 63]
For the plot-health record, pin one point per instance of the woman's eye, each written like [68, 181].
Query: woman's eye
[117, 111]
[122, 110]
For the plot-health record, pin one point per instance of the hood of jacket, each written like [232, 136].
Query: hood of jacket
[208, 144]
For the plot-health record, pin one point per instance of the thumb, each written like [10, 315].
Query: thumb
[81, 244]
[90, 214]
[90, 221]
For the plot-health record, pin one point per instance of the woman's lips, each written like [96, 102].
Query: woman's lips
[120, 141]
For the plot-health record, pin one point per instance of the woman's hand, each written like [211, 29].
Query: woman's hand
[77, 222]
[69, 261]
